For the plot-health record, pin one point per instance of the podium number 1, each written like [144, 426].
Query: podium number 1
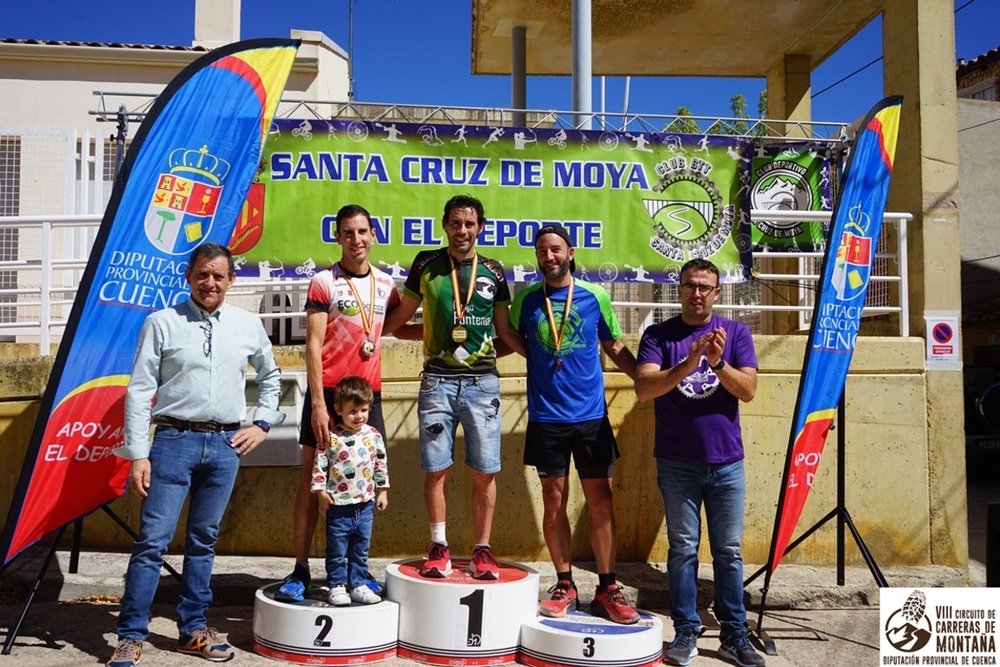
[474, 601]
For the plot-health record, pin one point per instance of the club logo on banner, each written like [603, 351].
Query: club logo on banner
[184, 202]
[790, 178]
[938, 626]
[691, 221]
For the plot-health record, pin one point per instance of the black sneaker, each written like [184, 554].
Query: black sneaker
[683, 648]
[741, 651]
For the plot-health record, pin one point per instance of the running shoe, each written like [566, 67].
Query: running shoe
[612, 605]
[563, 599]
[483, 565]
[438, 563]
[207, 644]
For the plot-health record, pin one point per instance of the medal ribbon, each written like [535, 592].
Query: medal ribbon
[461, 308]
[369, 317]
[557, 335]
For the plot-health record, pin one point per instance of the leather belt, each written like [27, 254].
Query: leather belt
[200, 427]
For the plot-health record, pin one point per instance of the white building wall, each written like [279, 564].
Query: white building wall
[979, 198]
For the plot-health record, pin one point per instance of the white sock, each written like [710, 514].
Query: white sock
[438, 534]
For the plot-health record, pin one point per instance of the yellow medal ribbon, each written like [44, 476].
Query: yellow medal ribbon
[557, 335]
[461, 308]
[366, 318]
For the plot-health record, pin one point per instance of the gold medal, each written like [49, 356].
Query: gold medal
[460, 334]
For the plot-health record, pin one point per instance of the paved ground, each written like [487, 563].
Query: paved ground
[810, 618]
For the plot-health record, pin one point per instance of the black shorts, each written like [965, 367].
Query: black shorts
[306, 436]
[591, 443]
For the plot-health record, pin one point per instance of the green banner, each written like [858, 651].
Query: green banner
[791, 177]
[638, 205]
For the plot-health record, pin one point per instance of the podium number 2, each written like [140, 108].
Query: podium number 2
[325, 624]
[588, 647]
[474, 601]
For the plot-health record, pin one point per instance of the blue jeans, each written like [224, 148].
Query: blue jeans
[721, 489]
[181, 462]
[446, 401]
[348, 536]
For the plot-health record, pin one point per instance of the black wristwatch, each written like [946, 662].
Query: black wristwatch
[719, 366]
[262, 425]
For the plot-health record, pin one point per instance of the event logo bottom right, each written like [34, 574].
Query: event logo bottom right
[938, 626]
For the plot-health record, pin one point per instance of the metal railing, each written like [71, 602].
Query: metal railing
[37, 310]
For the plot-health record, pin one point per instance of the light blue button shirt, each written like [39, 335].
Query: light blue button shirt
[195, 364]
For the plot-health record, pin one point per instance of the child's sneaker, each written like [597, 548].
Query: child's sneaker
[207, 644]
[563, 599]
[483, 565]
[438, 563]
[372, 583]
[291, 590]
[612, 605]
[338, 596]
[364, 595]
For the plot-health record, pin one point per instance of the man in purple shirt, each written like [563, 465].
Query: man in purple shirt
[698, 367]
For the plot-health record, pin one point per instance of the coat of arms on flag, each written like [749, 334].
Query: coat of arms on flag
[854, 255]
[184, 201]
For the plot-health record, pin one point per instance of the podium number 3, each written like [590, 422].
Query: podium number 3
[474, 601]
[588, 647]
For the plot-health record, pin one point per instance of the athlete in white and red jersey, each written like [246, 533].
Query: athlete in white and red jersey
[345, 310]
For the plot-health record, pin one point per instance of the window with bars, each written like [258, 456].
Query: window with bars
[10, 205]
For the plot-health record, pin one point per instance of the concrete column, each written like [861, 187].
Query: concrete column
[519, 74]
[788, 98]
[918, 38]
[582, 63]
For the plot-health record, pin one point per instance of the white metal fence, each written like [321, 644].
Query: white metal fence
[37, 307]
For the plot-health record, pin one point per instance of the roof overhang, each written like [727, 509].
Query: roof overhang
[667, 37]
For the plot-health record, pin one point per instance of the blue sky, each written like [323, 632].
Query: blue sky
[406, 53]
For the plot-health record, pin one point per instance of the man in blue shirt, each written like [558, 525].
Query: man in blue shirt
[189, 375]
[565, 323]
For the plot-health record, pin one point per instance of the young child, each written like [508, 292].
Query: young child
[351, 479]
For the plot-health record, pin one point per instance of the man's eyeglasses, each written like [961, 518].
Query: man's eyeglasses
[207, 346]
[689, 288]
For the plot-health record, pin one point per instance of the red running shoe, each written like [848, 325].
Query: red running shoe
[483, 565]
[612, 605]
[563, 599]
[438, 563]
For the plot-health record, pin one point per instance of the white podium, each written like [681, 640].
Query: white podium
[459, 621]
[579, 639]
[313, 633]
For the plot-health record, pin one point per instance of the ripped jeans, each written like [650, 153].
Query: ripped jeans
[444, 402]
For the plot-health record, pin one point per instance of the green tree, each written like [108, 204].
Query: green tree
[740, 126]
[683, 124]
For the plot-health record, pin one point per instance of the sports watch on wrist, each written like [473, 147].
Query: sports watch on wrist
[262, 425]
